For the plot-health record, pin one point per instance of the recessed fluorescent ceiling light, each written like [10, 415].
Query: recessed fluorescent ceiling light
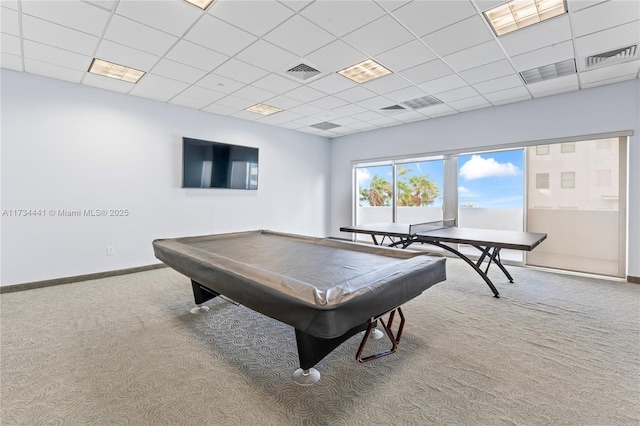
[422, 102]
[364, 71]
[325, 125]
[518, 14]
[548, 72]
[202, 4]
[119, 72]
[263, 109]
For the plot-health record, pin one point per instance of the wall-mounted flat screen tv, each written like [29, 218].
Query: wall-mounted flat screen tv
[208, 164]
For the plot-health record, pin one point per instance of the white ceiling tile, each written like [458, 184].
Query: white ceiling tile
[438, 110]
[124, 55]
[306, 110]
[468, 104]
[189, 102]
[406, 56]
[543, 34]
[235, 102]
[275, 83]
[56, 35]
[342, 17]
[379, 36]
[220, 109]
[131, 33]
[484, 5]
[575, 5]
[299, 36]
[391, 5]
[12, 62]
[178, 71]
[240, 71]
[173, 17]
[409, 116]
[11, 44]
[426, 72]
[254, 94]
[263, 16]
[545, 56]
[568, 82]
[267, 56]
[219, 83]
[500, 83]
[217, 35]
[247, 115]
[443, 84]
[607, 40]
[332, 83]
[610, 81]
[345, 121]
[405, 94]
[336, 56]
[424, 17]
[305, 94]
[387, 83]
[385, 122]
[53, 71]
[457, 94]
[462, 35]
[356, 94]
[196, 56]
[281, 117]
[487, 72]
[72, 14]
[604, 16]
[296, 5]
[611, 72]
[55, 56]
[202, 94]
[104, 4]
[9, 22]
[376, 103]
[348, 110]
[107, 83]
[158, 87]
[10, 4]
[475, 56]
[518, 93]
[283, 102]
[364, 126]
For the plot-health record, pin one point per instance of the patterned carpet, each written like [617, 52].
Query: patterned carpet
[554, 350]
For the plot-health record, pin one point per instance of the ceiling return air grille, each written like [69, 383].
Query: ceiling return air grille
[613, 56]
[302, 72]
[325, 125]
[393, 108]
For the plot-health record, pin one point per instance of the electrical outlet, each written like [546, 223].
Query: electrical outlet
[110, 251]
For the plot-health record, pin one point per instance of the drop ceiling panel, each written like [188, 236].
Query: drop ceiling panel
[487, 72]
[275, 83]
[356, 94]
[189, 102]
[517, 93]
[456, 94]
[177, 71]
[299, 36]
[11, 62]
[196, 56]
[219, 83]
[130, 33]
[442, 84]
[235, 102]
[545, 56]
[107, 83]
[305, 94]
[123, 55]
[379, 36]
[471, 103]
[283, 102]
[11, 44]
[71, 14]
[332, 83]
[406, 56]
[173, 17]
[619, 72]
[475, 56]
[205, 95]
[253, 94]
[565, 83]
[330, 102]
[220, 36]
[56, 56]
[406, 94]
[424, 17]
[56, 35]
[267, 56]
[386, 84]
[10, 21]
[54, 71]
[604, 16]
[336, 56]
[426, 72]
[342, 17]
[500, 83]
[459, 36]
[263, 16]
[376, 103]
[607, 40]
[240, 71]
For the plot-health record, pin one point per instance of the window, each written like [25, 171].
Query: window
[568, 147]
[542, 150]
[568, 180]
[542, 180]
[603, 178]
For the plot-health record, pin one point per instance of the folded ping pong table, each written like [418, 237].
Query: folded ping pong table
[488, 241]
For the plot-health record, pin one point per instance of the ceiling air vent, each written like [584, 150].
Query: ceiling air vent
[422, 102]
[613, 56]
[302, 72]
[325, 125]
[393, 108]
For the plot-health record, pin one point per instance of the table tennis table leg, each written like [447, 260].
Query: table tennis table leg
[471, 263]
[494, 256]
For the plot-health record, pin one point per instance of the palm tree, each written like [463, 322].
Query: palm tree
[379, 192]
[416, 190]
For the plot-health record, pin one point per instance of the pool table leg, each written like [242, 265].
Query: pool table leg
[312, 349]
[201, 294]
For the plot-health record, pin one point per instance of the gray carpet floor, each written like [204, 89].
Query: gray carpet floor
[554, 350]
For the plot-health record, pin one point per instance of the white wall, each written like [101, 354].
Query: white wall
[66, 146]
[602, 109]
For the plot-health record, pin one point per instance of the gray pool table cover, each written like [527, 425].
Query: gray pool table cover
[320, 286]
